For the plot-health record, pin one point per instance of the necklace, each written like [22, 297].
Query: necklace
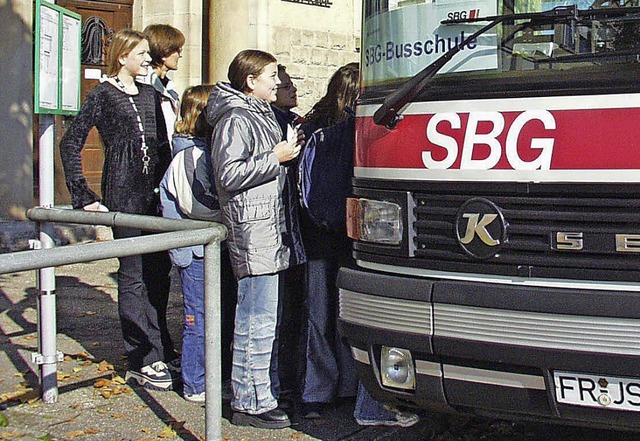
[143, 148]
[120, 84]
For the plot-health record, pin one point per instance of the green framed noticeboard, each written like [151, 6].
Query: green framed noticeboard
[57, 60]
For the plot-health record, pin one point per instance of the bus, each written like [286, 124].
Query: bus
[495, 211]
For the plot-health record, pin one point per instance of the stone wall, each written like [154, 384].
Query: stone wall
[186, 15]
[16, 109]
[311, 41]
[311, 58]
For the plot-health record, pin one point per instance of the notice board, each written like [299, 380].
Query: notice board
[57, 60]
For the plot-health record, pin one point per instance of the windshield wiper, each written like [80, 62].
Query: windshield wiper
[387, 114]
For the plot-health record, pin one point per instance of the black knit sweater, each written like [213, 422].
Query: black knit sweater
[124, 185]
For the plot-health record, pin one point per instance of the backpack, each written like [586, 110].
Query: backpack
[189, 182]
[325, 170]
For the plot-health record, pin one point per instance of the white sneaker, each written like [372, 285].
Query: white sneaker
[155, 376]
[195, 398]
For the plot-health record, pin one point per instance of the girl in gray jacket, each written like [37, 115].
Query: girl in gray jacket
[246, 155]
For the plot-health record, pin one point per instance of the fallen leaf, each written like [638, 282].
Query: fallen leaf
[118, 379]
[77, 369]
[45, 437]
[90, 312]
[146, 431]
[106, 393]
[11, 434]
[167, 432]
[103, 366]
[116, 416]
[63, 377]
[102, 382]
[90, 431]
[74, 434]
[23, 395]
[67, 358]
[29, 395]
[4, 422]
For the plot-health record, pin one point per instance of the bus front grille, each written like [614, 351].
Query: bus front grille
[533, 221]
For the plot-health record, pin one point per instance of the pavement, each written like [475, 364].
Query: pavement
[94, 403]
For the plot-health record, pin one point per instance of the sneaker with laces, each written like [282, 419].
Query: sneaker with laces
[398, 419]
[195, 398]
[155, 376]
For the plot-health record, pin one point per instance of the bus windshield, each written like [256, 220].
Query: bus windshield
[593, 46]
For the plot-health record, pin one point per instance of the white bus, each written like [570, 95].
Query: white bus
[496, 209]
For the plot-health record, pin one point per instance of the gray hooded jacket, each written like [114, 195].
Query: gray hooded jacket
[249, 180]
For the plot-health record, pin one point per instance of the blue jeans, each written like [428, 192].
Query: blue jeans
[328, 370]
[368, 409]
[253, 337]
[193, 375]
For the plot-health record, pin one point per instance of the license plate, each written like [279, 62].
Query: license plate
[618, 393]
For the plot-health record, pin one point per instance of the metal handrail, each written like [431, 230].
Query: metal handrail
[171, 233]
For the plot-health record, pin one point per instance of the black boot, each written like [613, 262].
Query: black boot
[273, 419]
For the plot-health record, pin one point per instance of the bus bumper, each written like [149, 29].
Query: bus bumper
[508, 351]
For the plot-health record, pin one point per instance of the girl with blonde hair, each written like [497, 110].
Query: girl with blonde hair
[129, 120]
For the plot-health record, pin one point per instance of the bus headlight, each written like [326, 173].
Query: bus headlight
[369, 220]
[396, 368]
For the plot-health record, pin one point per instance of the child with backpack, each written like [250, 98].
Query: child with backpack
[187, 192]
[325, 171]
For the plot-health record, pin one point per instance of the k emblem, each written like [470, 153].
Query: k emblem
[480, 228]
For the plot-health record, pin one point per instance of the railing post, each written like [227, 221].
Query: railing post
[212, 356]
[48, 357]
[177, 233]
